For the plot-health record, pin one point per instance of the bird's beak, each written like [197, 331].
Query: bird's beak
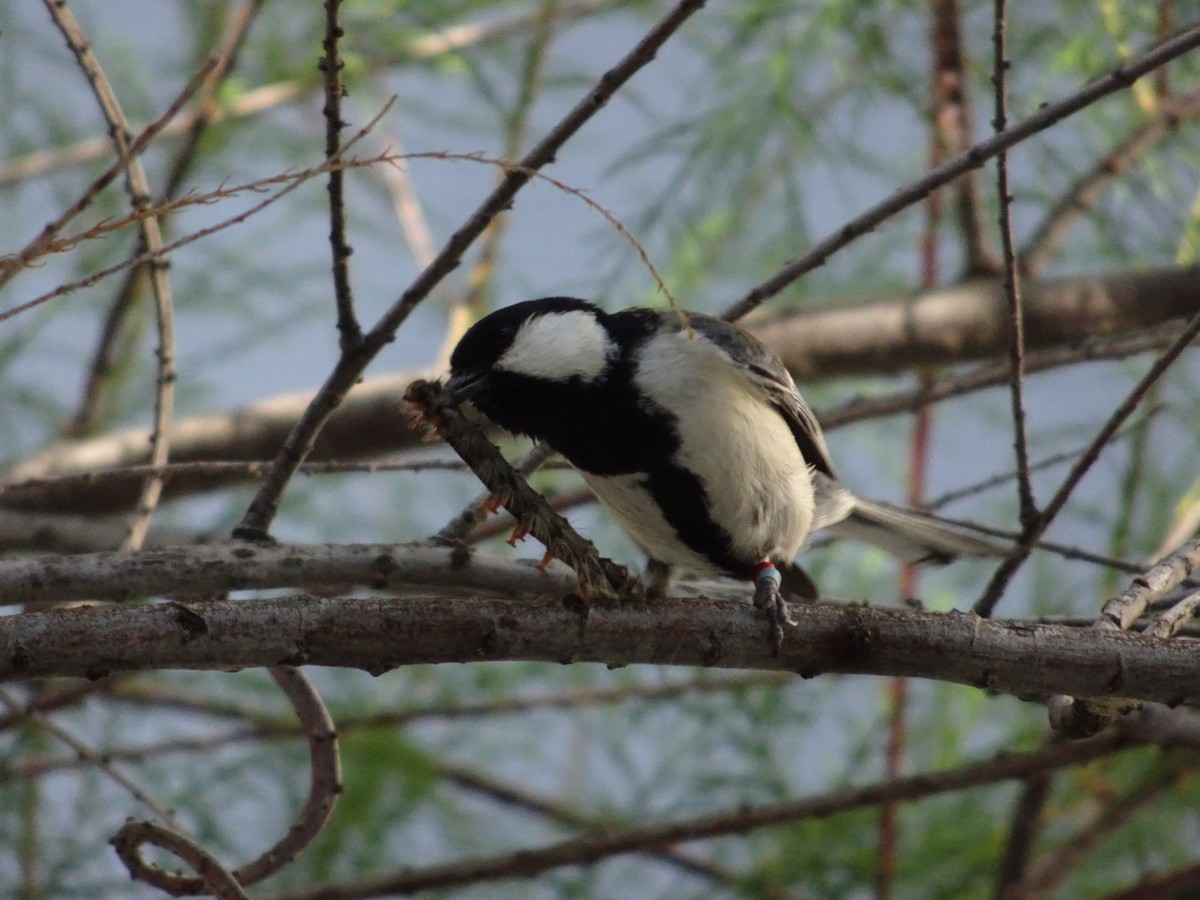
[465, 385]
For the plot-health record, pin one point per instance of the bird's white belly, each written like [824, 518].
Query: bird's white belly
[756, 481]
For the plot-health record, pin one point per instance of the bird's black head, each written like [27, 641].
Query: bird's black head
[507, 357]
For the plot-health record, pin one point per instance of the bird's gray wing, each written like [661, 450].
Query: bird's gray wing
[769, 374]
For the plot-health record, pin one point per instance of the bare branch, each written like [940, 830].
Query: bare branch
[1012, 283]
[152, 240]
[1083, 195]
[1121, 612]
[349, 331]
[219, 568]
[11, 265]
[1020, 658]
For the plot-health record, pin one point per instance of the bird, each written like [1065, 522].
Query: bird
[691, 433]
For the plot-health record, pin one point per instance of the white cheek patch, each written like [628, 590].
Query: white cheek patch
[559, 346]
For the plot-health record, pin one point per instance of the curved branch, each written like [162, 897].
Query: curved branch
[325, 786]
[325, 783]
[211, 874]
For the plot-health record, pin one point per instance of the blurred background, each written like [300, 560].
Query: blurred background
[760, 129]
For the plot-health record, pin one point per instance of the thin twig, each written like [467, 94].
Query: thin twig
[262, 726]
[12, 264]
[1012, 283]
[1170, 622]
[1120, 77]
[262, 509]
[84, 752]
[164, 308]
[1027, 819]
[193, 126]
[291, 181]
[331, 65]
[430, 46]
[1085, 192]
[994, 481]
[471, 780]
[592, 848]
[1005, 571]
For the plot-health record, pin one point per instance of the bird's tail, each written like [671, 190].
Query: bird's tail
[907, 534]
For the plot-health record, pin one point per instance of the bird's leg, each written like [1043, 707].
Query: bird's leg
[769, 599]
[658, 578]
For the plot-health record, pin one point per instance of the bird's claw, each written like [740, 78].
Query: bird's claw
[769, 599]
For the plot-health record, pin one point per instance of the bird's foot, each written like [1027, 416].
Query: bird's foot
[769, 599]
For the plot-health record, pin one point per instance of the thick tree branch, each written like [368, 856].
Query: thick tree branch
[381, 633]
[218, 568]
[369, 423]
[970, 321]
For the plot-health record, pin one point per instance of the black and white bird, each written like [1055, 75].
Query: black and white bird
[689, 430]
